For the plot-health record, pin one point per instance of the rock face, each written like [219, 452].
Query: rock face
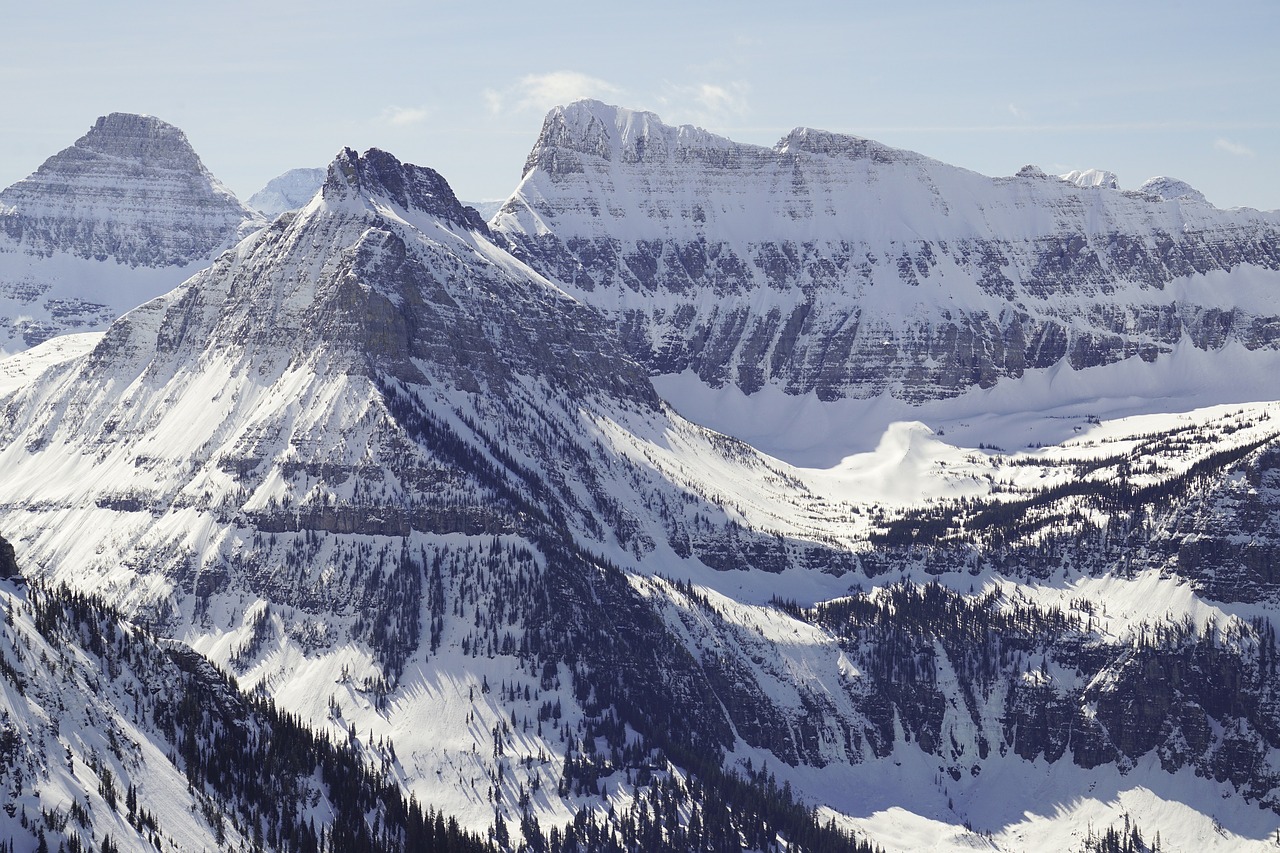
[8, 560]
[289, 191]
[123, 215]
[836, 265]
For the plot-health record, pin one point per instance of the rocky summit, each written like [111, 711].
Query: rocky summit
[131, 189]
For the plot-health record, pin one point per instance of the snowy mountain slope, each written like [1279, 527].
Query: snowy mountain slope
[985, 737]
[289, 191]
[123, 215]
[835, 265]
[115, 740]
[386, 472]
[367, 410]
[22, 368]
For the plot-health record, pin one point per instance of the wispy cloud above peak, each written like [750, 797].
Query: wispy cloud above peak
[1233, 148]
[404, 116]
[704, 103]
[541, 92]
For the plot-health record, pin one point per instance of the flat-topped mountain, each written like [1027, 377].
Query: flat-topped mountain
[839, 266]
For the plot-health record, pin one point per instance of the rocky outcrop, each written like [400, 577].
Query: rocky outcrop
[8, 561]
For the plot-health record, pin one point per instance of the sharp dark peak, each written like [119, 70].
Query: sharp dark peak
[377, 174]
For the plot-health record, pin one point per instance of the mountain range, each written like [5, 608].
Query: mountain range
[837, 494]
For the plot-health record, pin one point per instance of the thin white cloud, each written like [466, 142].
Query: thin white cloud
[1014, 111]
[541, 92]
[721, 99]
[1233, 148]
[404, 116]
[707, 104]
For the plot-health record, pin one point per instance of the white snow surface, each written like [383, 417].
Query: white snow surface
[1171, 188]
[23, 368]
[1042, 407]
[1092, 178]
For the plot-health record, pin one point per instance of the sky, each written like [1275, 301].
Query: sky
[1188, 90]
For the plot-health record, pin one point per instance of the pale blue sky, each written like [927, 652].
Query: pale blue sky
[1190, 90]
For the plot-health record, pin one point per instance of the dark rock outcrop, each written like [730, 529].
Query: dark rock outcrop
[8, 561]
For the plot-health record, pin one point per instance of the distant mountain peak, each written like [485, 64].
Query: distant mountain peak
[1086, 178]
[814, 141]
[377, 174]
[141, 138]
[288, 191]
[132, 189]
[818, 265]
[1172, 188]
[614, 134]
[119, 217]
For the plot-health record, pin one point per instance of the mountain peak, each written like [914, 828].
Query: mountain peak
[1091, 178]
[377, 174]
[132, 189]
[1171, 188]
[813, 141]
[288, 191]
[612, 133]
[141, 138]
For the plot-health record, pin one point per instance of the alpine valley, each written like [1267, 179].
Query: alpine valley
[707, 497]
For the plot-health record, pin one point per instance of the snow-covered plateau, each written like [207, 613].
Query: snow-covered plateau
[815, 497]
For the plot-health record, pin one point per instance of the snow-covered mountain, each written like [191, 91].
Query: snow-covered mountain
[366, 413]
[113, 739]
[123, 215]
[838, 266]
[1100, 178]
[388, 472]
[289, 191]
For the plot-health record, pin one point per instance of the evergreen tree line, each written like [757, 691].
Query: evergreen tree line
[251, 766]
